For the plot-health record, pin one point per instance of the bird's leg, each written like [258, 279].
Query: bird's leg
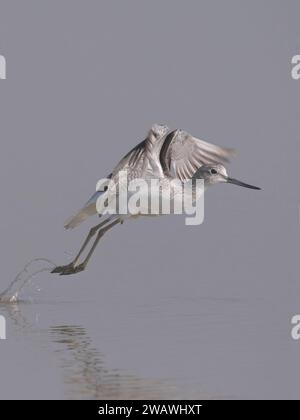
[101, 232]
[82, 266]
[71, 265]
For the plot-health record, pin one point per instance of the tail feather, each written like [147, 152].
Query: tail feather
[88, 210]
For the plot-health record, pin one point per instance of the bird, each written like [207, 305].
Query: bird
[165, 155]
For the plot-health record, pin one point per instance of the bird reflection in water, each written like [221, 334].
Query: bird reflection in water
[87, 377]
[82, 366]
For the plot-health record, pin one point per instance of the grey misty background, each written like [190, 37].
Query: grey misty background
[85, 80]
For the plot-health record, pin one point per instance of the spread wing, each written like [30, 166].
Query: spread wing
[133, 159]
[143, 160]
[182, 154]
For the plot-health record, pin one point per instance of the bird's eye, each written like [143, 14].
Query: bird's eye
[213, 171]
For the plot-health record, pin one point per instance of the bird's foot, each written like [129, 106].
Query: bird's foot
[60, 268]
[75, 269]
[68, 269]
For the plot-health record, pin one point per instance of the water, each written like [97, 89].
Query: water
[24, 278]
[81, 367]
[121, 347]
[62, 359]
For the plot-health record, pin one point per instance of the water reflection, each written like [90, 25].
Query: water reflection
[81, 364]
[13, 311]
[85, 374]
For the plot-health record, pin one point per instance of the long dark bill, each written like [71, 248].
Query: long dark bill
[241, 184]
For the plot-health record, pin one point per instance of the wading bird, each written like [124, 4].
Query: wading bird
[163, 155]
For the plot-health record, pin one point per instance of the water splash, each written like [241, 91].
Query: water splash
[24, 278]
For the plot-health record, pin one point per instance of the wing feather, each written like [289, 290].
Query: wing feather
[182, 154]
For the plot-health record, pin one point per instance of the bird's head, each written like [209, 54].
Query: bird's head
[214, 174]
